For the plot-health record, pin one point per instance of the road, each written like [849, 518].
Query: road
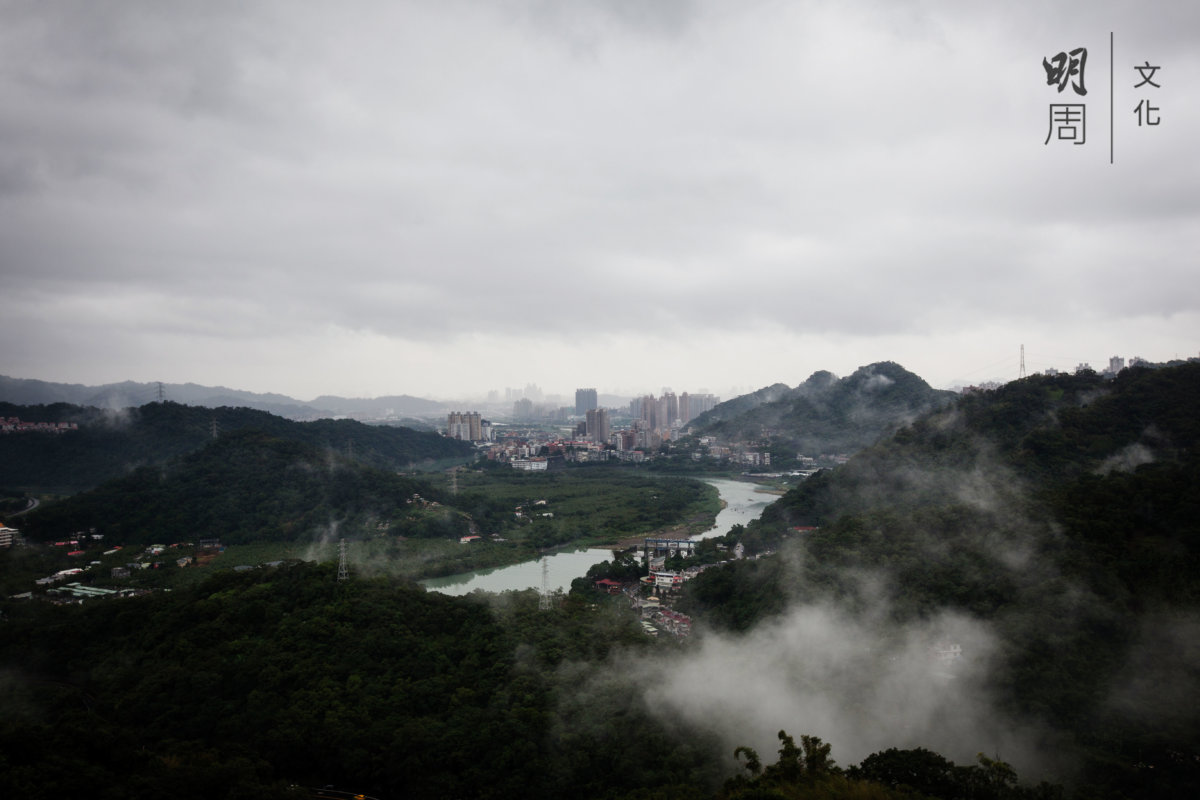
[33, 503]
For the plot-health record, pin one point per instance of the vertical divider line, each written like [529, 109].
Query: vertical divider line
[1111, 81]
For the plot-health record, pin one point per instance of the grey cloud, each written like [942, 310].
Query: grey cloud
[416, 169]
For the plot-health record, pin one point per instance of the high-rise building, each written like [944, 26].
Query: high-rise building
[585, 401]
[671, 403]
[699, 403]
[598, 425]
[467, 426]
[523, 409]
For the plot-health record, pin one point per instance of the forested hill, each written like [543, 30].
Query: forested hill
[26, 391]
[109, 444]
[1062, 512]
[826, 414]
[247, 486]
[1041, 435]
[260, 684]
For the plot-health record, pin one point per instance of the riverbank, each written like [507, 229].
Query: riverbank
[695, 525]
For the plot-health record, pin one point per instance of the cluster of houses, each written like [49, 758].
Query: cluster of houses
[653, 594]
[150, 558]
[655, 616]
[16, 425]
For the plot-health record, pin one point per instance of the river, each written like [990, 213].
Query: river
[742, 504]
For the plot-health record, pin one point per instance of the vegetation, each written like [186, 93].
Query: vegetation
[110, 444]
[250, 683]
[598, 505]
[1062, 511]
[249, 487]
[245, 487]
[808, 772]
[824, 414]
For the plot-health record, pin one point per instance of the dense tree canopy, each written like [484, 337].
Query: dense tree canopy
[1062, 510]
[109, 444]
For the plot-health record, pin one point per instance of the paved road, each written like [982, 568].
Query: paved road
[33, 503]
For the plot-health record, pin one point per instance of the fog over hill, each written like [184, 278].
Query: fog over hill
[827, 413]
[1047, 528]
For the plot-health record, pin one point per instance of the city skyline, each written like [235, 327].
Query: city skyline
[429, 199]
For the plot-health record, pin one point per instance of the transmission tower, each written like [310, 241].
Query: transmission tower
[343, 571]
[544, 600]
[214, 427]
[1022, 375]
[161, 393]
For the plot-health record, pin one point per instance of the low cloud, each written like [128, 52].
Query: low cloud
[1160, 680]
[857, 680]
[1128, 459]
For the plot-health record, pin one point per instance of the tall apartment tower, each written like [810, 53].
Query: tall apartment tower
[649, 411]
[672, 409]
[699, 403]
[597, 425]
[585, 401]
[465, 426]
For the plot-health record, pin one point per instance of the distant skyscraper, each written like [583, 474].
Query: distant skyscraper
[585, 401]
[465, 426]
[700, 403]
[597, 425]
[672, 409]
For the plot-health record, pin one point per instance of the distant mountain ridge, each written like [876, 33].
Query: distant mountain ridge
[248, 485]
[130, 394]
[111, 443]
[827, 413]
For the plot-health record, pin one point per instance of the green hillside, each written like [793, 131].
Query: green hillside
[1060, 510]
[109, 444]
[826, 414]
[247, 486]
[264, 683]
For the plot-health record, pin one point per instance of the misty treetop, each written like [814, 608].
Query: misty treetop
[250, 683]
[1061, 512]
[826, 414]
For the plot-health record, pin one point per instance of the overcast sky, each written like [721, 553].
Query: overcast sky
[441, 198]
